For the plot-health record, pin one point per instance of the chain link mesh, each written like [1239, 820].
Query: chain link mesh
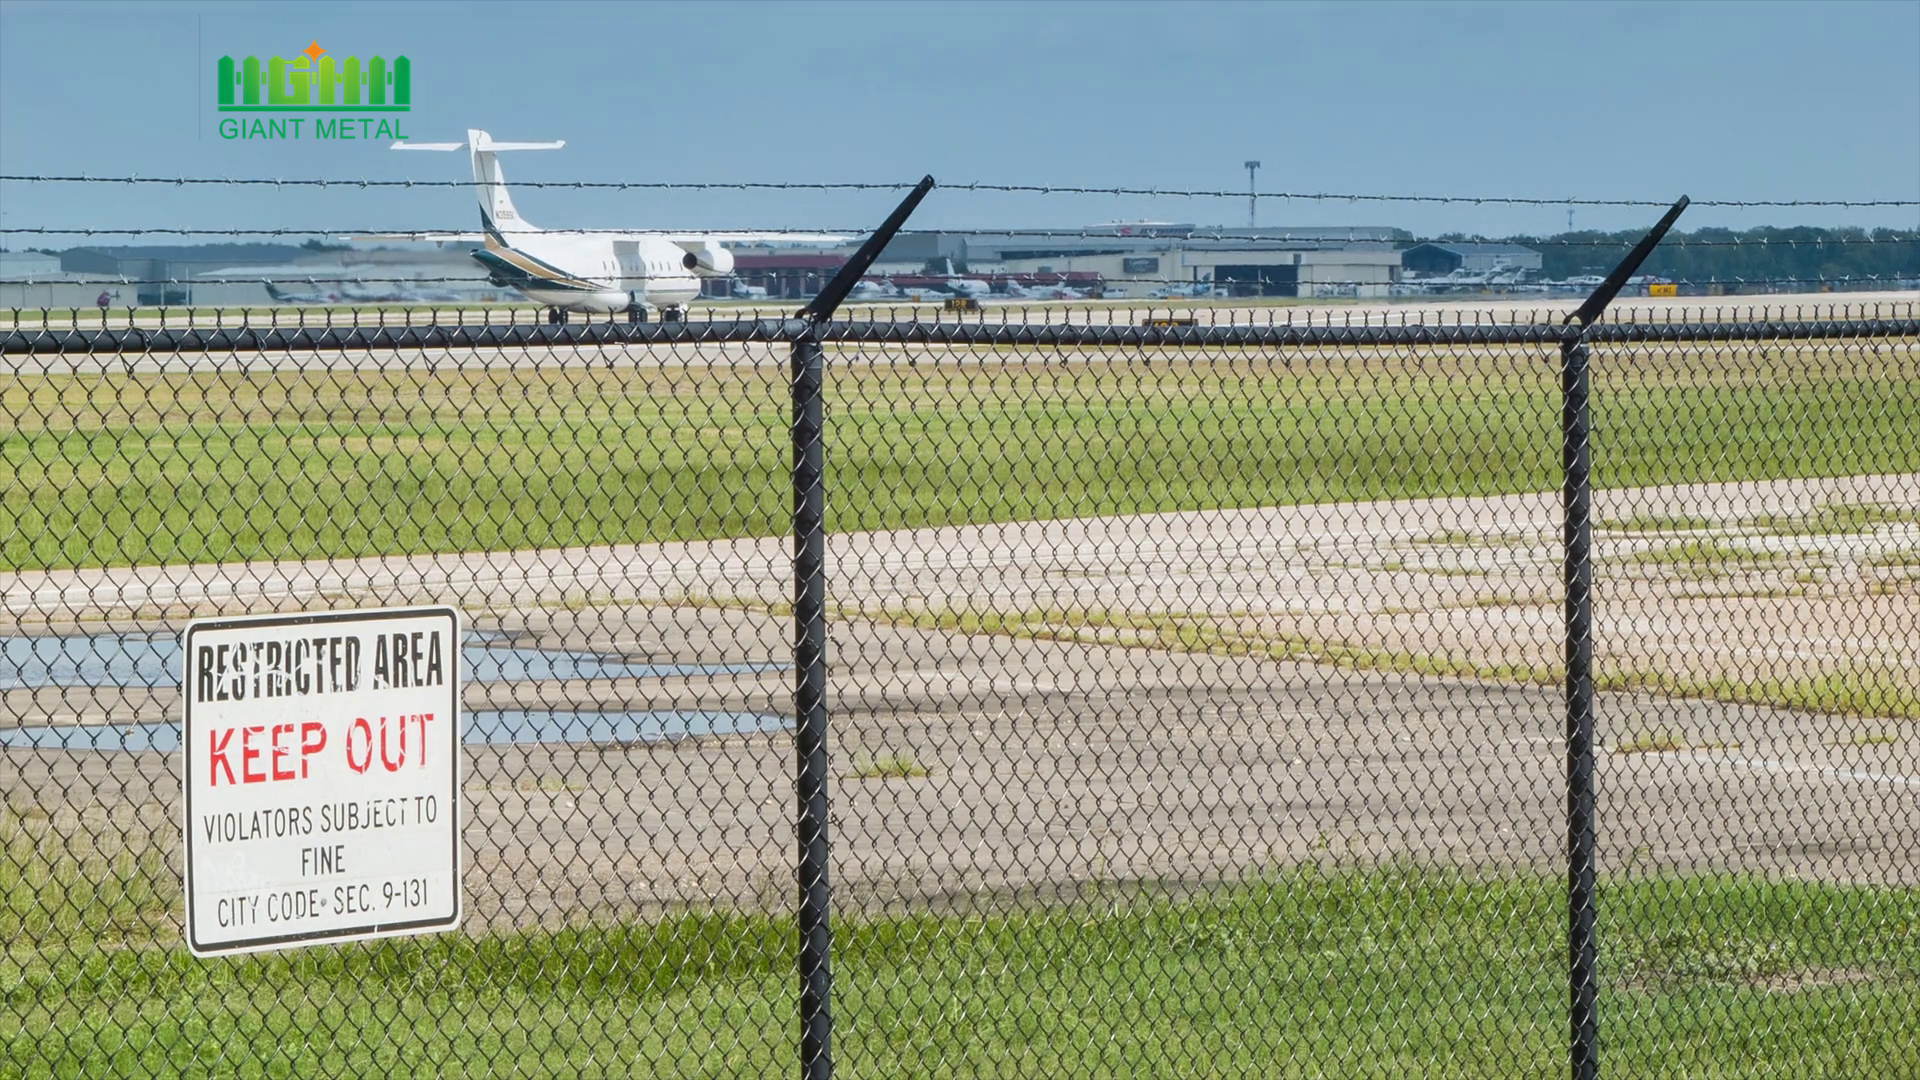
[1195, 702]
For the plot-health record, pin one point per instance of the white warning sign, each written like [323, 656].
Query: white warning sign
[322, 757]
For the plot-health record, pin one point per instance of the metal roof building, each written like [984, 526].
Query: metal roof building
[1141, 258]
[1432, 260]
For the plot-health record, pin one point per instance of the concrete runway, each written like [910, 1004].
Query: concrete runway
[1078, 753]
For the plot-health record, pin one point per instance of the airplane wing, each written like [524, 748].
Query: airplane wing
[441, 237]
[285, 271]
[737, 237]
[629, 237]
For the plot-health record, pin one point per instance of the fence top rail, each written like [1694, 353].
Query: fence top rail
[1168, 333]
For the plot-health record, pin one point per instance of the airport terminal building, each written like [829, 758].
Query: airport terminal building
[1136, 259]
[1141, 258]
[1440, 259]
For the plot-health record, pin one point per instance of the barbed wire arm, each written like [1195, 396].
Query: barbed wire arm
[823, 305]
[1597, 303]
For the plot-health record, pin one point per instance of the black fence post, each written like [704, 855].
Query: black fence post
[810, 703]
[810, 643]
[1576, 430]
[1576, 498]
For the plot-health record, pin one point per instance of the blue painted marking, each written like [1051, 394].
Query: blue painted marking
[163, 737]
[89, 660]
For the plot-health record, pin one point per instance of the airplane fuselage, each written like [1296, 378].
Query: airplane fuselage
[589, 273]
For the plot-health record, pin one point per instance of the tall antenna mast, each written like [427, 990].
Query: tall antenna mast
[1252, 202]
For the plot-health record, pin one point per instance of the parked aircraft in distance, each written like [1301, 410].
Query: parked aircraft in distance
[1043, 292]
[869, 289]
[596, 271]
[1463, 280]
[1196, 289]
[341, 289]
[350, 293]
[960, 285]
[282, 297]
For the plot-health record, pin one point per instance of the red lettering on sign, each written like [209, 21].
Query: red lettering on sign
[313, 739]
[217, 760]
[393, 764]
[280, 753]
[365, 732]
[249, 754]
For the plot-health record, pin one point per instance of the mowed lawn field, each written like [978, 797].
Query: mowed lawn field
[1383, 972]
[215, 466]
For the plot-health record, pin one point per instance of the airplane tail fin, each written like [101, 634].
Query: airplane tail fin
[496, 206]
[489, 183]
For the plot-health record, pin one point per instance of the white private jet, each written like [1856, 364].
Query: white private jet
[964, 286]
[1057, 291]
[343, 292]
[281, 296]
[1183, 290]
[867, 289]
[586, 271]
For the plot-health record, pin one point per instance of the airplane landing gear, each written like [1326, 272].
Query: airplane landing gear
[675, 313]
[636, 313]
[556, 316]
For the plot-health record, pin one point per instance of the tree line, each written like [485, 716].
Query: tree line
[1730, 256]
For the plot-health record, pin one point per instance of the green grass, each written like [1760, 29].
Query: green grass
[1705, 553]
[199, 465]
[1651, 742]
[1859, 690]
[1827, 520]
[1380, 972]
[67, 877]
[1835, 518]
[1869, 738]
[1661, 523]
[894, 767]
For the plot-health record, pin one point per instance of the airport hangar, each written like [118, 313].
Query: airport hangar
[214, 275]
[1120, 260]
[1443, 258]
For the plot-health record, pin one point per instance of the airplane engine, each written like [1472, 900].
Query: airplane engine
[710, 260]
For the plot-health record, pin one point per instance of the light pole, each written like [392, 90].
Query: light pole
[1252, 216]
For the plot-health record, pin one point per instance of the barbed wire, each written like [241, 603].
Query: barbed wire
[1045, 279]
[1037, 189]
[1674, 240]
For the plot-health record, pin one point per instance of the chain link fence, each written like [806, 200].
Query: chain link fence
[1143, 693]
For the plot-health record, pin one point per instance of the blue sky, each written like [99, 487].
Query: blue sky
[1641, 101]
